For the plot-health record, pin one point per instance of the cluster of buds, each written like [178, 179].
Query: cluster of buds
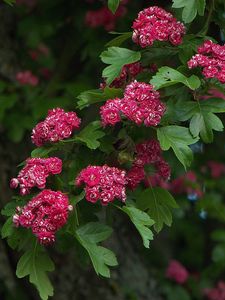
[211, 57]
[156, 24]
[141, 104]
[27, 78]
[216, 293]
[57, 126]
[44, 214]
[35, 173]
[103, 183]
[148, 153]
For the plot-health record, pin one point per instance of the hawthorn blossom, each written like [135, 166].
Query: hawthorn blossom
[156, 24]
[27, 78]
[45, 214]
[140, 104]
[187, 183]
[104, 17]
[217, 293]
[35, 173]
[57, 126]
[148, 153]
[210, 57]
[177, 272]
[103, 183]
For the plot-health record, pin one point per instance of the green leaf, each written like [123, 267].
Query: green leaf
[42, 152]
[90, 135]
[218, 235]
[7, 228]
[95, 96]
[167, 76]
[190, 8]
[113, 5]
[116, 58]
[94, 232]
[204, 123]
[141, 221]
[117, 41]
[178, 138]
[89, 235]
[158, 204]
[218, 254]
[10, 2]
[176, 293]
[35, 263]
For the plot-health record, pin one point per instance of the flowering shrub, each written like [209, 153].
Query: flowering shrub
[125, 147]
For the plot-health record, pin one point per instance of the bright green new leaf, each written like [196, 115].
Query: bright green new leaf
[178, 138]
[35, 263]
[158, 204]
[94, 96]
[89, 235]
[190, 8]
[113, 5]
[90, 135]
[167, 76]
[116, 58]
[141, 221]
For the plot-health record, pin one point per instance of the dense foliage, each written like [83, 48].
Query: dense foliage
[138, 144]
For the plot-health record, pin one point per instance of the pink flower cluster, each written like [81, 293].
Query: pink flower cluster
[128, 73]
[216, 169]
[103, 183]
[186, 184]
[177, 272]
[104, 17]
[217, 293]
[140, 104]
[148, 153]
[156, 24]
[27, 78]
[44, 214]
[211, 57]
[35, 173]
[57, 126]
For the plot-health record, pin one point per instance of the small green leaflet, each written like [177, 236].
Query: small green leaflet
[35, 263]
[89, 235]
[117, 41]
[141, 221]
[90, 135]
[190, 8]
[178, 138]
[113, 5]
[204, 124]
[7, 228]
[158, 204]
[42, 152]
[10, 2]
[116, 58]
[167, 76]
[94, 96]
